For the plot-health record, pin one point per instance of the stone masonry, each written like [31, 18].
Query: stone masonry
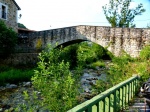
[12, 8]
[130, 40]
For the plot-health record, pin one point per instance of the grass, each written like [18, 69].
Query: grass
[100, 64]
[12, 75]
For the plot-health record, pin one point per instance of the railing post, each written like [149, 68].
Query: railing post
[131, 90]
[115, 106]
[134, 85]
[97, 105]
[104, 105]
[89, 109]
[128, 93]
[122, 96]
[125, 95]
[119, 98]
[109, 102]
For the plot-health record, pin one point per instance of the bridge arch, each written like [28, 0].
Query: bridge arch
[131, 40]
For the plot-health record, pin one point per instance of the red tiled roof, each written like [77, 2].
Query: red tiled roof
[23, 29]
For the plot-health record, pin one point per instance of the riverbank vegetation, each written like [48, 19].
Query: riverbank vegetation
[59, 70]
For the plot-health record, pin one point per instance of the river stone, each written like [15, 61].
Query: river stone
[11, 86]
[27, 84]
[1, 109]
[102, 77]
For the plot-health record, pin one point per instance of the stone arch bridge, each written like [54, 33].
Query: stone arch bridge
[131, 40]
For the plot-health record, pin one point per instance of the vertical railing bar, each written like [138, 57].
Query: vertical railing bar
[89, 109]
[109, 102]
[104, 105]
[98, 107]
[134, 87]
[122, 96]
[128, 92]
[125, 94]
[131, 90]
[119, 97]
[115, 101]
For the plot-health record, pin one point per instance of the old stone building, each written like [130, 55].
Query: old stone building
[8, 13]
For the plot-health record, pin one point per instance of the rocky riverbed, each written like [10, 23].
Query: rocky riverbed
[12, 95]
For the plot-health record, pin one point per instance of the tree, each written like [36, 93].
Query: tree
[20, 25]
[119, 14]
[8, 39]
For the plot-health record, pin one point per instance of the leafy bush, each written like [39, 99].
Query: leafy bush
[55, 81]
[119, 70]
[145, 53]
[8, 39]
[82, 54]
[88, 53]
[100, 86]
[69, 54]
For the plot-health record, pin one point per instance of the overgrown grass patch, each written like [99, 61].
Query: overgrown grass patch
[15, 76]
[4, 68]
[99, 63]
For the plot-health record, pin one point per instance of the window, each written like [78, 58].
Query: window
[3, 11]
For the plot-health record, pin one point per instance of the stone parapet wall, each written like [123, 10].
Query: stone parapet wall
[130, 40]
[21, 59]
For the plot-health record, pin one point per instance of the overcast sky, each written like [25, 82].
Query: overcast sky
[49, 14]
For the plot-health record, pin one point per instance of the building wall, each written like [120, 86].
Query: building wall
[11, 20]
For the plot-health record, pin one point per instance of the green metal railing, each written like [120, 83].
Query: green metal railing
[111, 100]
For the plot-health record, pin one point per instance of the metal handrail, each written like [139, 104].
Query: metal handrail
[111, 100]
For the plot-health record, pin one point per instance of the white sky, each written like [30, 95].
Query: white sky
[49, 14]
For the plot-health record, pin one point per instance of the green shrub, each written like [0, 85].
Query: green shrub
[55, 81]
[69, 54]
[99, 50]
[89, 52]
[8, 39]
[145, 53]
[118, 71]
[100, 86]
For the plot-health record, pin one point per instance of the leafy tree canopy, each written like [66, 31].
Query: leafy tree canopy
[120, 14]
[20, 25]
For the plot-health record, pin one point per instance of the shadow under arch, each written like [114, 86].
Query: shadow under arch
[71, 43]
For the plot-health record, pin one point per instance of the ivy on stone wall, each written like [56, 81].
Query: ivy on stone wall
[8, 39]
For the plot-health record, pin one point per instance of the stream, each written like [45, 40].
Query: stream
[12, 95]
